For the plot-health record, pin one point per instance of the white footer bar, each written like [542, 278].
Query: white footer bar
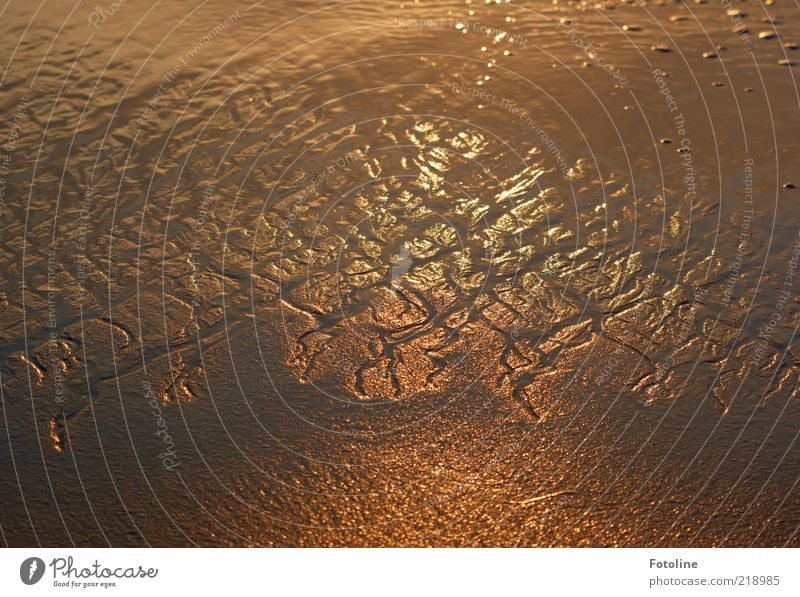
[401, 572]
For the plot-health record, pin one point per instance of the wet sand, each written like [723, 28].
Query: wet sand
[400, 274]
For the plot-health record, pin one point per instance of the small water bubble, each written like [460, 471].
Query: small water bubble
[661, 48]
[767, 34]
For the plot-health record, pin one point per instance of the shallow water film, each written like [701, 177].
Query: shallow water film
[419, 273]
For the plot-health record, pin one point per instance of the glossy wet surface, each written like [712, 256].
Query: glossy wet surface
[441, 273]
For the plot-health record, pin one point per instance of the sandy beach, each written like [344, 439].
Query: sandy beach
[421, 273]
